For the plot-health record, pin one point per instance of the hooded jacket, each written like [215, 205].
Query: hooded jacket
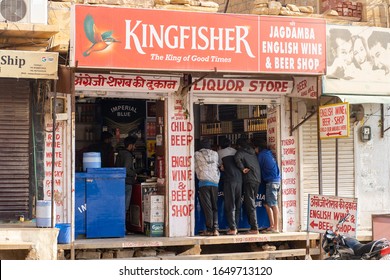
[126, 159]
[246, 158]
[269, 167]
[206, 166]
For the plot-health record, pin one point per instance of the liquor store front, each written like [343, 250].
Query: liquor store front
[209, 101]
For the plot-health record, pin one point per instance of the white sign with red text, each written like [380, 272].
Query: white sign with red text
[304, 87]
[59, 168]
[120, 83]
[180, 176]
[289, 194]
[255, 86]
[334, 120]
[324, 212]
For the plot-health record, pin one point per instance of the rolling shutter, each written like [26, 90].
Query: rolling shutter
[309, 164]
[14, 148]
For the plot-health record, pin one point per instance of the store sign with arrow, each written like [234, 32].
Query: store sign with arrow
[324, 212]
[334, 120]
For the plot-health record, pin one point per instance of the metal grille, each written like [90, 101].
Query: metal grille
[13, 10]
[346, 172]
[14, 148]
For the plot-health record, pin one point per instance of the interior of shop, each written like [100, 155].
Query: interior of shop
[120, 117]
[141, 117]
[230, 121]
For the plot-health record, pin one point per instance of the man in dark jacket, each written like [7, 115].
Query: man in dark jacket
[125, 158]
[247, 162]
[232, 185]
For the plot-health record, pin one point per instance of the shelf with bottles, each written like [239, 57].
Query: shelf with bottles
[233, 137]
[222, 127]
[253, 125]
[150, 128]
[88, 132]
[88, 112]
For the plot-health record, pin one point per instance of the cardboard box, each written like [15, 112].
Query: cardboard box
[154, 229]
[153, 202]
[153, 216]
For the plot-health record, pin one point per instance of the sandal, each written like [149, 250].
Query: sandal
[207, 233]
[269, 230]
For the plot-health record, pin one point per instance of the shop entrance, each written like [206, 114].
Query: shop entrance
[232, 121]
[118, 117]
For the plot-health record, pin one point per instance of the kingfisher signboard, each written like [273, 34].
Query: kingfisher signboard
[151, 39]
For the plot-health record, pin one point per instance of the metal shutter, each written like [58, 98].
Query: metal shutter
[14, 148]
[309, 160]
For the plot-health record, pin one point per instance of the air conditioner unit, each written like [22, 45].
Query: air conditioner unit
[23, 11]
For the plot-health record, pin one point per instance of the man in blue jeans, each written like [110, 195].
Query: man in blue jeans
[270, 176]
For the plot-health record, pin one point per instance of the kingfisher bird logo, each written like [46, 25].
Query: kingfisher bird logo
[100, 40]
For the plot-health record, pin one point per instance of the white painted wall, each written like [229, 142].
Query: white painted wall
[372, 167]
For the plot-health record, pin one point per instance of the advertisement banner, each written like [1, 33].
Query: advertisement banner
[149, 39]
[28, 65]
[357, 60]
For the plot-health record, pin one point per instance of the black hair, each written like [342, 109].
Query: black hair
[225, 142]
[205, 143]
[129, 140]
[242, 142]
[380, 37]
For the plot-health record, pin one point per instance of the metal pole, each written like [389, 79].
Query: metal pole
[337, 168]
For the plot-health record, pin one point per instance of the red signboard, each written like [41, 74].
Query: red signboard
[150, 39]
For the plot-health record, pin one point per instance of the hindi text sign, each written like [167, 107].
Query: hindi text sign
[324, 212]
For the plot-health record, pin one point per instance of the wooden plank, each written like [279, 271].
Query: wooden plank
[262, 255]
[28, 30]
[142, 241]
[16, 245]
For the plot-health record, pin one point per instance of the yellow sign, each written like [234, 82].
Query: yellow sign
[334, 120]
[28, 64]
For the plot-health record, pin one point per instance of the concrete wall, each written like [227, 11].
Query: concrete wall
[372, 168]
[44, 243]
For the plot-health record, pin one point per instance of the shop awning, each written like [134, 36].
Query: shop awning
[361, 99]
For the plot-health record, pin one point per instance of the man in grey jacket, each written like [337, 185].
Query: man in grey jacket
[207, 172]
[247, 162]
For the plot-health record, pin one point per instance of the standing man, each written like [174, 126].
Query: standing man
[207, 172]
[105, 148]
[270, 176]
[247, 162]
[379, 45]
[126, 159]
[232, 186]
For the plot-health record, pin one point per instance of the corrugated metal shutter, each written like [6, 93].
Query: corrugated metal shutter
[14, 148]
[309, 153]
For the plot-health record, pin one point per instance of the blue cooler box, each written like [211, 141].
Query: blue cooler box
[100, 202]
